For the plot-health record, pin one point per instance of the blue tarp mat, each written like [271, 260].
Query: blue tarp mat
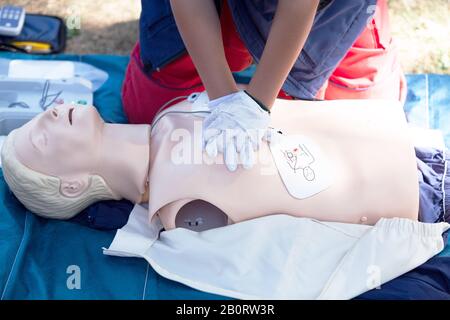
[39, 258]
[428, 102]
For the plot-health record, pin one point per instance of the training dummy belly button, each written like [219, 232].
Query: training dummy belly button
[363, 219]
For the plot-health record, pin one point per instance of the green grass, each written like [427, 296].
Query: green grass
[421, 29]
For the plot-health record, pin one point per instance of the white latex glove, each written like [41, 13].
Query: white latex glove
[235, 127]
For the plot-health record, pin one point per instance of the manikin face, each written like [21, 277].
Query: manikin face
[63, 141]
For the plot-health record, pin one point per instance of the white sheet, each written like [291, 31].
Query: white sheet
[280, 256]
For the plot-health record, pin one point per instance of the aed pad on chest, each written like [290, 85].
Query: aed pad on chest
[301, 164]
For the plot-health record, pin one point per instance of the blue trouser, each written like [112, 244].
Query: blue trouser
[430, 281]
[434, 184]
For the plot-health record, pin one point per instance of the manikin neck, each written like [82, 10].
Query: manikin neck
[124, 159]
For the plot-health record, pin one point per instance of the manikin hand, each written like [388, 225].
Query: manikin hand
[236, 126]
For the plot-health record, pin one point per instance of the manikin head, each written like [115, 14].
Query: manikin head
[64, 159]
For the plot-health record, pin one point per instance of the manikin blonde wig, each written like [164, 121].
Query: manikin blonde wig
[41, 193]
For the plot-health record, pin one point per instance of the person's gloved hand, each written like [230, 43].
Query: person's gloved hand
[236, 126]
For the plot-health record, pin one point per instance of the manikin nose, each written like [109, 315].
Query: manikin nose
[54, 113]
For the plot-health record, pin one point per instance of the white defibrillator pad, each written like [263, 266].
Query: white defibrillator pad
[302, 165]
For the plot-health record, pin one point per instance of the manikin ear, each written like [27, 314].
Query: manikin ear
[74, 186]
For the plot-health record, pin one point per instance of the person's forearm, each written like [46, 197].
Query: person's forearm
[199, 26]
[289, 31]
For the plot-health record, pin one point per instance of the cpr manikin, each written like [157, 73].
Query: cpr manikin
[67, 158]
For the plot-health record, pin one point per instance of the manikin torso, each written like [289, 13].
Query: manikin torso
[367, 145]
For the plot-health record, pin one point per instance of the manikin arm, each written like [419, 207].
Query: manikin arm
[199, 26]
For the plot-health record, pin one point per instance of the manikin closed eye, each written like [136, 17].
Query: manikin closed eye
[70, 115]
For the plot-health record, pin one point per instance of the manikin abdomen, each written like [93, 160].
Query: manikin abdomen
[366, 144]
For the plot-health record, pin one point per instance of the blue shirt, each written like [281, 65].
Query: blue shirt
[336, 27]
